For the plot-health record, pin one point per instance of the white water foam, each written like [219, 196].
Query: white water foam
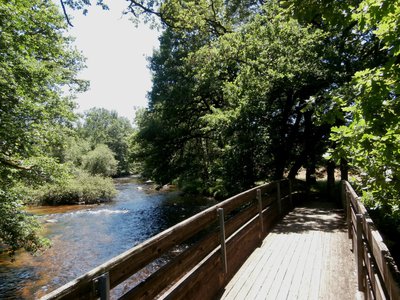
[105, 211]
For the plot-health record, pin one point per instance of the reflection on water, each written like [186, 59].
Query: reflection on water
[86, 236]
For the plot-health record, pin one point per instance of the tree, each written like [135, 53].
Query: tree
[224, 109]
[224, 106]
[370, 139]
[37, 62]
[169, 127]
[75, 148]
[100, 161]
[101, 126]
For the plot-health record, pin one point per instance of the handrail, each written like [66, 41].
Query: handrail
[224, 236]
[375, 269]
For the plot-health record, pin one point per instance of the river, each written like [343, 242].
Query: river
[85, 236]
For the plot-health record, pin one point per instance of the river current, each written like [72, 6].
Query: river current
[84, 237]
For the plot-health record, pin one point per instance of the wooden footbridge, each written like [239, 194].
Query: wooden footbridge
[261, 244]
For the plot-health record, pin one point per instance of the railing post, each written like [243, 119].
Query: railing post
[359, 253]
[222, 238]
[346, 202]
[290, 193]
[260, 209]
[101, 286]
[278, 197]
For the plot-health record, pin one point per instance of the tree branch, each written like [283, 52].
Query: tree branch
[13, 164]
[65, 13]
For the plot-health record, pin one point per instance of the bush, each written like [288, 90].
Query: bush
[84, 188]
[100, 161]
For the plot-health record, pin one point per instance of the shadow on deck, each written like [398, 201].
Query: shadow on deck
[306, 256]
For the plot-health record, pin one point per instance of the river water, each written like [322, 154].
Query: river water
[85, 236]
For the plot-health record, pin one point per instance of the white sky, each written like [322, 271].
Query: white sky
[116, 54]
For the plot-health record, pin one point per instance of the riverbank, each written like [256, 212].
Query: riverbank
[80, 189]
[84, 236]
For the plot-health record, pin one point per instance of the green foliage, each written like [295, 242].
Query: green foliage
[74, 150]
[18, 230]
[100, 161]
[101, 126]
[81, 188]
[244, 90]
[37, 62]
[371, 139]
[226, 111]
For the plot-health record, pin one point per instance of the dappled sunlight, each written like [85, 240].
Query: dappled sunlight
[306, 256]
[317, 216]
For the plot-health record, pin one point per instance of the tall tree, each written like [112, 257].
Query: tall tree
[37, 62]
[370, 139]
[101, 126]
[231, 107]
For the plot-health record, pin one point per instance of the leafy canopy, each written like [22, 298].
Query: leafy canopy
[371, 139]
[37, 62]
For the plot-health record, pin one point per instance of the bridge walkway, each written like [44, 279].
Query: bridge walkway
[306, 256]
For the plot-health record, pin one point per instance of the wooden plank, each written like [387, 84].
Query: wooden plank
[246, 271]
[271, 270]
[369, 266]
[261, 269]
[206, 280]
[342, 268]
[327, 289]
[353, 218]
[251, 279]
[222, 239]
[392, 285]
[263, 275]
[278, 197]
[279, 284]
[378, 248]
[307, 274]
[317, 269]
[380, 253]
[260, 212]
[369, 294]
[173, 270]
[379, 291]
[359, 253]
[288, 282]
[242, 217]
[352, 196]
[191, 282]
[347, 205]
[368, 227]
[240, 246]
[300, 269]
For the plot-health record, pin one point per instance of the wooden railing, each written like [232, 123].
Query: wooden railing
[217, 240]
[375, 268]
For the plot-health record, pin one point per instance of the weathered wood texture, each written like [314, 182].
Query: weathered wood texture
[200, 263]
[306, 256]
[377, 273]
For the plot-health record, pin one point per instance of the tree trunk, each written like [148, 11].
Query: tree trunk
[296, 166]
[309, 149]
[344, 169]
[331, 180]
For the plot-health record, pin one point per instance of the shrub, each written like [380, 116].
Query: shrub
[100, 161]
[83, 188]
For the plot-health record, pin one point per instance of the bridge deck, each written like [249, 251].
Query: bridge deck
[306, 256]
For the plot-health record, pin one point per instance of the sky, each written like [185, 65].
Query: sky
[116, 52]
